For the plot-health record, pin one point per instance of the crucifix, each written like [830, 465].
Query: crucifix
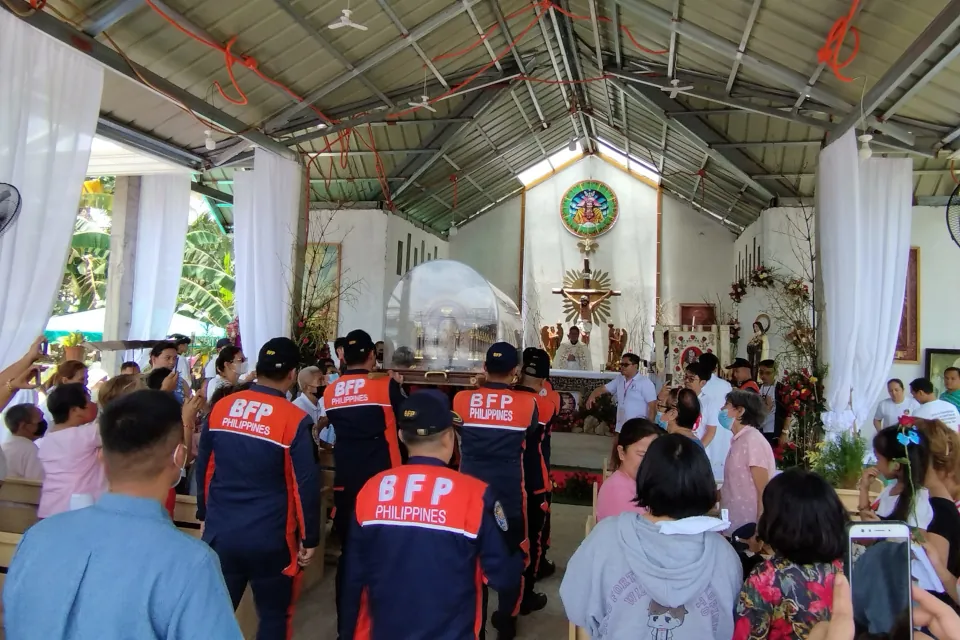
[586, 299]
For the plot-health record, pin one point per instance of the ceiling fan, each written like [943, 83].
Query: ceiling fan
[346, 21]
[423, 104]
[675, 88]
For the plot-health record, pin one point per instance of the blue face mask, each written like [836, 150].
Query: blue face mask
[332, 377]
[725, 420]
[660, 421]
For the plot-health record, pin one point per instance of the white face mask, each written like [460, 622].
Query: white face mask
[183, 468]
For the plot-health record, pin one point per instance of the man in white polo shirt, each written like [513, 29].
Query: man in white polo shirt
[715, 437]
[716, 387]
[932, 408]
[635, 394]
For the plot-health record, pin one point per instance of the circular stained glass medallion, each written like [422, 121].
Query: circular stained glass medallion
[589, 209]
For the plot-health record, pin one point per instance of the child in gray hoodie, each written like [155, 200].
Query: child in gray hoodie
[666, 575]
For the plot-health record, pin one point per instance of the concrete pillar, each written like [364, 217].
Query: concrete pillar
[120, 273]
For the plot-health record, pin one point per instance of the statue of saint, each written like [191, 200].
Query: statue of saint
[616, 343]
[758, 347]
[551, 338]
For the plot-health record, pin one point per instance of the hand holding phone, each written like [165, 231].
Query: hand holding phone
[879, 568]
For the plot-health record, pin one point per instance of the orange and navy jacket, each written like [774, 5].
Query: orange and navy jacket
[361, 411]
[535, 471]
[258, 483]
[554, 398]
[496, 422]
[423, 540]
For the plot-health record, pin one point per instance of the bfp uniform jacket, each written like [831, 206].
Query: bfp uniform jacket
[423, 541]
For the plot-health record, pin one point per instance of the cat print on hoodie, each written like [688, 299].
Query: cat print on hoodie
[663, 620]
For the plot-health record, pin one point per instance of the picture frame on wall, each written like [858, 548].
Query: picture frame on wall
[908, 338]
[935, 362]
[698, 314]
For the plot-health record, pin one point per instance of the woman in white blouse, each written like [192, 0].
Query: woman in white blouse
[891, 409]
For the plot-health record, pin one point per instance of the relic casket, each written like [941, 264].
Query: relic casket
[440, 320]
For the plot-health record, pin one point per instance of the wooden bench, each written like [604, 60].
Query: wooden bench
[18, 504]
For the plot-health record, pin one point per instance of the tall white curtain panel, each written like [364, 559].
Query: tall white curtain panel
[838, 178]
[161, 235]
[886, 203]
[266, 203]
[49, 105]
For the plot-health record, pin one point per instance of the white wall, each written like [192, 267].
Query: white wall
[368, 259]
[491, 245]
[695, 261]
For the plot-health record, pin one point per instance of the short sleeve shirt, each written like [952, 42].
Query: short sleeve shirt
[739, 494]
[888, 412]
[939, 410]
[633, 397]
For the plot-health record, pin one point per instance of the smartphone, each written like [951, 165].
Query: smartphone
[878, 565]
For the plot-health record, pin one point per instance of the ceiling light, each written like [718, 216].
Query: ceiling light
[865, 151]
[209, 143]
[453, 230]
[573, 143]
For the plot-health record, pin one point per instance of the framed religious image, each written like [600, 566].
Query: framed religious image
[908, 338]
[937, 360]
[569, 415]
[689, 356]
[698, 314]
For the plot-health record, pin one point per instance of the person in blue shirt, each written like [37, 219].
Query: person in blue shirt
[120, 569]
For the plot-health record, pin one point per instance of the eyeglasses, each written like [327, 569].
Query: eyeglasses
[624, 365]
[690, 378]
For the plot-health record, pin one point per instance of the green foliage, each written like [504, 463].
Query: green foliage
[74, 339]
[840, 461]
[84, 285]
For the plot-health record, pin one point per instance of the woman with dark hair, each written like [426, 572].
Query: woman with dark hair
[804, 523]
[618, 493]
[891, 409]
[750, 463]
[165, 355]
[680, 412]
[229, 365]
[67, 372]
[906, 499]
[662, 570]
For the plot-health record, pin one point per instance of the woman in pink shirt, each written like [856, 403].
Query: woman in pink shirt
[750, 463]
[70, 451]
[618, 493]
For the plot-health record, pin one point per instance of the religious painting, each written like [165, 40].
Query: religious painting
[685, 347]
[692, 315]
[569, 415]
[937, 361]
[320, 296]
[589, 209]
[908, 339]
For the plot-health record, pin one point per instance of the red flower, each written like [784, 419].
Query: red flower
[763, 583]
[741, 631]
[823, 594]
[780, 629]
[906, 421]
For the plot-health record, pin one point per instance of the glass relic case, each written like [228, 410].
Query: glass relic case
[440, 320]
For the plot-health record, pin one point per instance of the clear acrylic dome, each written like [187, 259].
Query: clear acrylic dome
[443, 316]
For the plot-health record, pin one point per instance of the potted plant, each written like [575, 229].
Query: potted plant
[71, 346]
[840, 462]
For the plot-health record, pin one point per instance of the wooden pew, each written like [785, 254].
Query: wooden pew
[18, 504]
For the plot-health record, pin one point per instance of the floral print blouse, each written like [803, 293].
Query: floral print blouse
[781, 600]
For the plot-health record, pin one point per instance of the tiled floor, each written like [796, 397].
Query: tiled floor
[579, 450]
[316, 616]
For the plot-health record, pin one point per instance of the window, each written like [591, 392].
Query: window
[550, 164]
[400, 257]
[409, 242]
[631, 162]
[415, 260]
[423, 250]
[434, 252]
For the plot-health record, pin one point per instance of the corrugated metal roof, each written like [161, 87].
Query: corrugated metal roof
[738, 138]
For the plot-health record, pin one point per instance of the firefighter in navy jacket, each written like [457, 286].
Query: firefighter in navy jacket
[423, 540]
[259, 489]
[361, 409]
[535, 370]
[547, 391]
[497, 422]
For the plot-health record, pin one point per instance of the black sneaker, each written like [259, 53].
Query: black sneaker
[533, 601]
[506, 626]
[547, 569]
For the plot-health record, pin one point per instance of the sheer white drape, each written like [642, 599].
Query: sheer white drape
[864, 209]
[161, 235]
[266, 203]
[886, 199]
[49, 105]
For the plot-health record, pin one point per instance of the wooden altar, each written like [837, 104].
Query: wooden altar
[677, 346]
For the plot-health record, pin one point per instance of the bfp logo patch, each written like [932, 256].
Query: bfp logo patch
[409, 413]
[500, 516]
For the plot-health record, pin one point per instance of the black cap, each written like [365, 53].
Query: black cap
[223, 342]
[536, 363]
[739, 363]
[278, 354]
[357, 345]
[501, 358]
[179, 338]
[427, 412]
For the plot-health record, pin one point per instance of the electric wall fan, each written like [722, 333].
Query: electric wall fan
[9, 206]
[953, 215]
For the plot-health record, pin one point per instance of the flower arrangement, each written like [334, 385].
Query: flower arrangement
[787, 455]
[801, 392]
[761, 277]
[72, 339]
[573, 487]
[798, 289]
[737, 290]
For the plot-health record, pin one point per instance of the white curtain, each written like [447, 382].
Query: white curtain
[266, 204]
[886, 199]
[158, 257]
[864, 209]
[49, 103]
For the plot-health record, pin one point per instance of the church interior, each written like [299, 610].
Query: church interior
[760, 180]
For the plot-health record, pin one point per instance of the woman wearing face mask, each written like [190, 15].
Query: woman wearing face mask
[679, 412]
[750, 463]
[230, 366]
[619, 492]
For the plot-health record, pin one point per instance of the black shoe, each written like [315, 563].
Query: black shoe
[547, 569]
[533, 601]
[506, 626]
